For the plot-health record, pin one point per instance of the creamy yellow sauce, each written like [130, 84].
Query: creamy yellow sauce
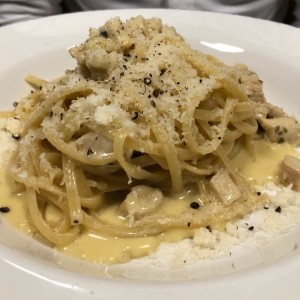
[266, 165]
[104, 249]
[92, 246]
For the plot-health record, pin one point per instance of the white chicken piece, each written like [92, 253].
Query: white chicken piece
[251, 83]
[141, 201]
[280, 130]
[291, 171]
[227, 190]
[277, 125]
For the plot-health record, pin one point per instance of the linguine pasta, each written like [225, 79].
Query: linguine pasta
[142, 117]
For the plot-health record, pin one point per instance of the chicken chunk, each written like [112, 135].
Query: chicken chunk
[269, 111]
[278, 126]
[141, 201]
[284, 129]
[291, 171]
[251, 83]
[226, 189]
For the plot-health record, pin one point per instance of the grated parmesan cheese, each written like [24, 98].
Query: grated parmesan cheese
[254, 231]
[8, 144]
[107, 114]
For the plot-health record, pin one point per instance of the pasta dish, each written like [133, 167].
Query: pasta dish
[142, 119]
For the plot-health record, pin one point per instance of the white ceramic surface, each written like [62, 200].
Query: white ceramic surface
[40, 47]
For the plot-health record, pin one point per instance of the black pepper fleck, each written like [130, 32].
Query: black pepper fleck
[258, 193]
[188, 224]
[104, 34]
[278, 209]
[162, 71]
[209, 228]
[15, 104]
[90, 151]
[16, 136]
[251, 228]
[134, 115]
[152, 102]
[4, 209]
[147, 80]
[156, 92]
[195, 205]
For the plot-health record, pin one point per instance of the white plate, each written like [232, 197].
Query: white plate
[39, 47]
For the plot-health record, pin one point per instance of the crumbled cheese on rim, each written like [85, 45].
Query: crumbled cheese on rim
[8, 144]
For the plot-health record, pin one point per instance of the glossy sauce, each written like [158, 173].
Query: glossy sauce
[104, 249]
[266, 166]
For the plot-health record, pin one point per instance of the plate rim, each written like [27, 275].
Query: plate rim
[204, 286]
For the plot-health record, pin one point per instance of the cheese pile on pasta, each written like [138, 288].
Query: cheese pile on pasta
[143, 116]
